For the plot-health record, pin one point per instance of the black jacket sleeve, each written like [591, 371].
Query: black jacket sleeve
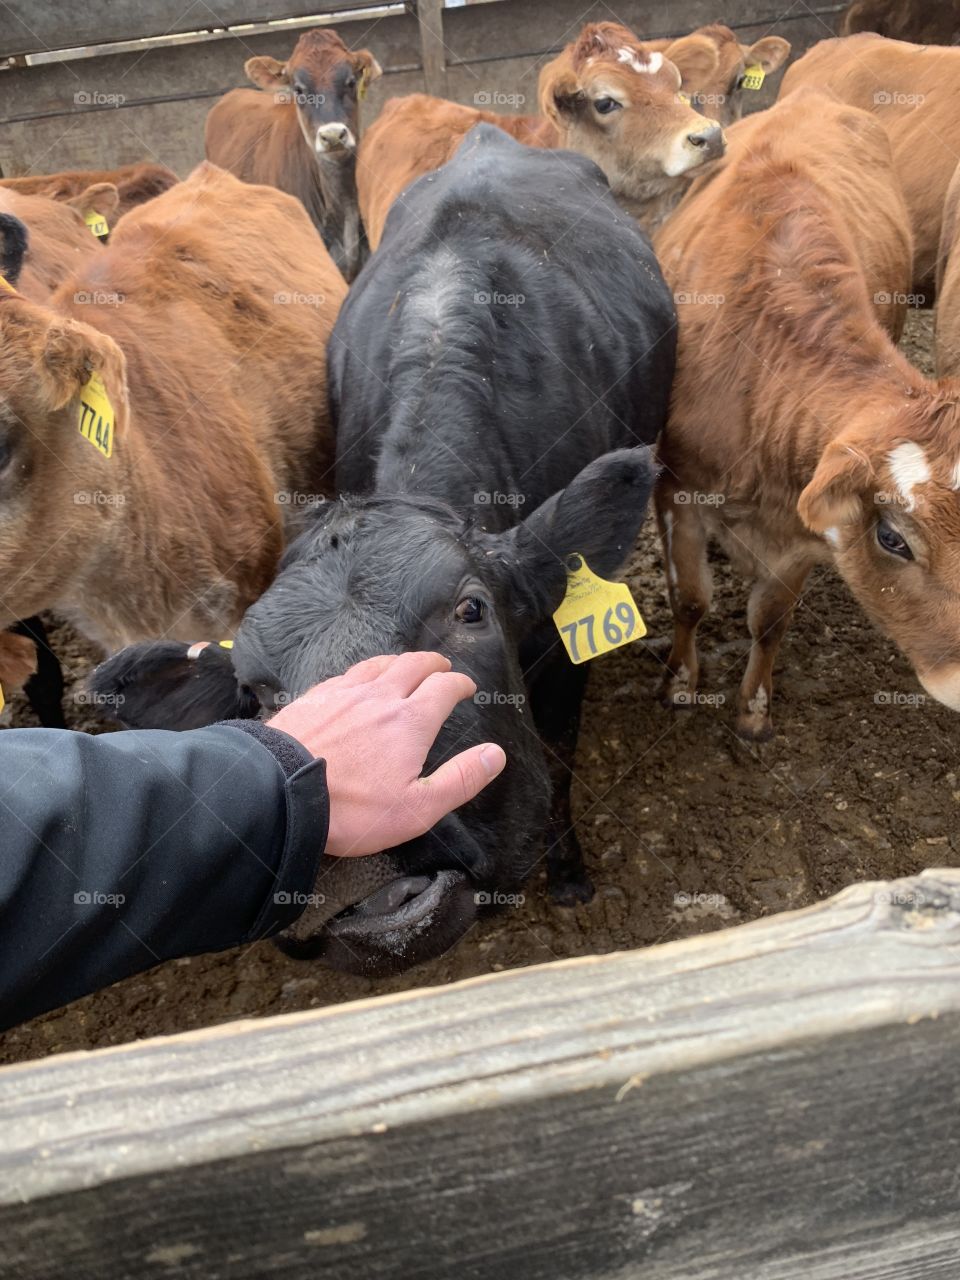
[125, 849]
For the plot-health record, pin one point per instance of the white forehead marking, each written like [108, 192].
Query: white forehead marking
[651, 66]
[908, 466]
[955, 483]
[832, 536]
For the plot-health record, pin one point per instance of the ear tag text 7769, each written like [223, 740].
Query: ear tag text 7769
[595, 616]
[753, 76]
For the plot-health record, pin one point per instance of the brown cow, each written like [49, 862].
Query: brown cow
[722, 92]
[947, 316]
[59, 240]
[607, 96]
[211, 309]
[798, 433]
[300, 134]
[922, 21]
[915, 92]
[135, 183]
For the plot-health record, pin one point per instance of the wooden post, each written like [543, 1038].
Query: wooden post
[432, 48]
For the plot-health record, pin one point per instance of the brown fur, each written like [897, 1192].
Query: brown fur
[919, 106]
[922, 21]
[18, 662]
[718, 92]
[947, 318]
[417, 134]
[256, 135]
[790, 397]
[220, 394]
[59, 241]
[135, 183]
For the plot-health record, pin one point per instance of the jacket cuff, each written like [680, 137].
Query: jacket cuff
[307, 822]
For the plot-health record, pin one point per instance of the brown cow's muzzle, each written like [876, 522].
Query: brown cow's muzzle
[710, 142]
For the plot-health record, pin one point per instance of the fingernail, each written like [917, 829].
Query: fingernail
[493, 758]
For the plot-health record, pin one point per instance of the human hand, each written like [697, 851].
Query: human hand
[374, 726]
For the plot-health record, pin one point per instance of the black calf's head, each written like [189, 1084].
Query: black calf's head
[389, 575]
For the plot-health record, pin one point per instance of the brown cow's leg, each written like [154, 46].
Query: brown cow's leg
[769, 613]
[690, 585]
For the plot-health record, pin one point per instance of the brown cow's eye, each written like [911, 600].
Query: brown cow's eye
[892, 541]
[470, 609]
[606, 105]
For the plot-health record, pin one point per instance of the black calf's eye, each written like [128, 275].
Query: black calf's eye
[892, 541]
[606, 105]
[470, 609]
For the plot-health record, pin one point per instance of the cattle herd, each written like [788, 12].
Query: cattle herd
[326, 398]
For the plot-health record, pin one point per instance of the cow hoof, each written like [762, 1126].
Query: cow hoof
[571, 892]
[754, 726]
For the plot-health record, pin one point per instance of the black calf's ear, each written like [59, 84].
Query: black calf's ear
[597, 516]
[13, 247]
[159, 685]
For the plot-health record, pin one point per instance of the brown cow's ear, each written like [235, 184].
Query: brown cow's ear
[266, 73]
[770, 53]
[366, 68]
[560, 93]
[833, 497]
[696, 57]
[72, 352]
[101, 198]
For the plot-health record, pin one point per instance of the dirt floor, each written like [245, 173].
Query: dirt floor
[684, 828]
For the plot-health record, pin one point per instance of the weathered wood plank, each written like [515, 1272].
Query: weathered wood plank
[771, 1102]
[433, 52]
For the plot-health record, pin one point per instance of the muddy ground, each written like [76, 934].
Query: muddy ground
[685, 829]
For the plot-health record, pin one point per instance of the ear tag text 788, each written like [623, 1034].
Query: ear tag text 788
[595, 616]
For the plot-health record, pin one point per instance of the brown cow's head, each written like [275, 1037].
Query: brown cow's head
[324, 81]
[618, 102]
[51, 476]
[886, 496]
[719, 91]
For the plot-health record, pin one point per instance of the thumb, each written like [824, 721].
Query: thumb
[459, 780]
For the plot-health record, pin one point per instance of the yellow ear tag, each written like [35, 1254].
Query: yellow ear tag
[362, 86]
[2, 703]
[95, 420]
[97, 223]
[684, 99]
[753, 77]
[595, 615]
[5, 284]
[225, 644]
